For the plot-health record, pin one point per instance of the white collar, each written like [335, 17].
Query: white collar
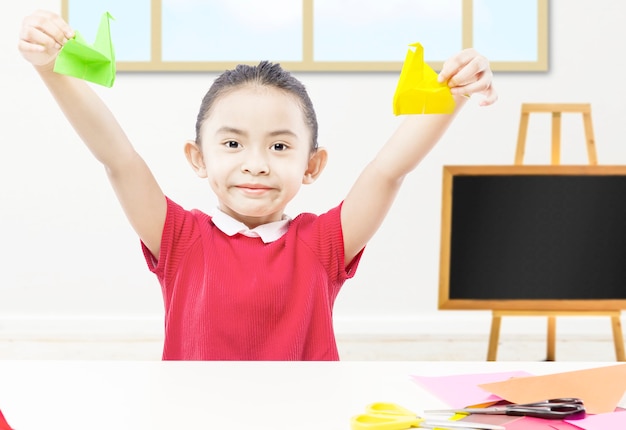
[267, 232]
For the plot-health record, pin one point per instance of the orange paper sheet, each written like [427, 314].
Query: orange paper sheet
[600, 389]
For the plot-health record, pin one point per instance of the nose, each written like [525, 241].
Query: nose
[255, 164]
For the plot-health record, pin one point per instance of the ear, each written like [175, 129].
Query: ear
[316, 165]
[195, 159]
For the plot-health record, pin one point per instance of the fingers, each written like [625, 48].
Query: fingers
[491, 96]
[459, 69]
[44, 30]
[469, 73]
[477, 83]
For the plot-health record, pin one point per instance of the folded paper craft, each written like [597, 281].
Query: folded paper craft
[418, 89]
[94, 63]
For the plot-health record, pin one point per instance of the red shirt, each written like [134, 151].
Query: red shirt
[238, 298]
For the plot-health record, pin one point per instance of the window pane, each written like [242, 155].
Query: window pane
[506, 30]
[130, 30]
[375, 30]
[233, 30]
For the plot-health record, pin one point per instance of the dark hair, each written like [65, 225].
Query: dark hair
[265, 73]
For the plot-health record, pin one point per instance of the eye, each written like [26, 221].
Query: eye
[279, 146]
[232, 144]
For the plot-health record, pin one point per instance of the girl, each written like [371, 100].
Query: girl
[249, 283]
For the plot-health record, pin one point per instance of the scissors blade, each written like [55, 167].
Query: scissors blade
[445, 424]
[493, 410]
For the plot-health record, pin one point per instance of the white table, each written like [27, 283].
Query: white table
[119, 395]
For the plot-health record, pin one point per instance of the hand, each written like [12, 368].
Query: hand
[469, 73]
[42, 36]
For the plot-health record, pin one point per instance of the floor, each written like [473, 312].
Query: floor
[440, 348]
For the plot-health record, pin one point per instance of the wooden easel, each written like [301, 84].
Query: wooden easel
[556, 109]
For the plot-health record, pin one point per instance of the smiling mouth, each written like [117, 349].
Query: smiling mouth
[253, 189]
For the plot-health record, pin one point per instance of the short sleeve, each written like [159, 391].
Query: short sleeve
[180, 231]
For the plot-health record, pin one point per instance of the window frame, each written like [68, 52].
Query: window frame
[308, 63]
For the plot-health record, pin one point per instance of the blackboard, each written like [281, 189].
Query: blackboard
[533, 238]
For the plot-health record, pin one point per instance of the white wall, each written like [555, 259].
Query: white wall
[70, 262]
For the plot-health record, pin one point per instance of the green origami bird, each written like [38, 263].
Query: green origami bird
[94, 63]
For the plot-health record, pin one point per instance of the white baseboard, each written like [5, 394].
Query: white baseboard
[81, 327]
[429, 324]
[469, 324]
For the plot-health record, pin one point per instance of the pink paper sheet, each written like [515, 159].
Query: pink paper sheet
[530, 423]
[460, 391]
[609, 421]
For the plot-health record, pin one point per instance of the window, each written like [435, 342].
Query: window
[315, 35]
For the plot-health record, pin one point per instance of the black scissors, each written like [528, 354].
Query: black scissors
[553, 409]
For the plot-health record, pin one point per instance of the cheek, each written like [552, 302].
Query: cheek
[296, 177]
[217, 164]
[217, 173]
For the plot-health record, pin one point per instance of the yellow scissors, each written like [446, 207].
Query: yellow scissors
[389, 416]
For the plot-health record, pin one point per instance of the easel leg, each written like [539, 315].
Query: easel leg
[589, 136]
[494, 337]
[618, 338]
[551, 338]
[521, 137]
[556, 138]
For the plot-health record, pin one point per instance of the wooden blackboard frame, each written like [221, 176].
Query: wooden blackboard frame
[548, 305]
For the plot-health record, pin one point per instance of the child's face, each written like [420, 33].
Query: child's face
[255, 153]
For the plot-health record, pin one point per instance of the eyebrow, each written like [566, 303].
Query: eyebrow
[233, 130]
[230, 130]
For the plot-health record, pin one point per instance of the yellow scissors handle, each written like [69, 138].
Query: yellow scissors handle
[385, 416]
[389, 416]
[388, 409]
[373, 421]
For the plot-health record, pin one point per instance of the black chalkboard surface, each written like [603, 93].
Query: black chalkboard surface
[533, 238]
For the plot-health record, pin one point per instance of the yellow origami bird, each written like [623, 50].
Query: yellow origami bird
[418, 91]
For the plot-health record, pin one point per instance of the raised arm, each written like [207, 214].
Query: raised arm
[42, 36]
[371, 196]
